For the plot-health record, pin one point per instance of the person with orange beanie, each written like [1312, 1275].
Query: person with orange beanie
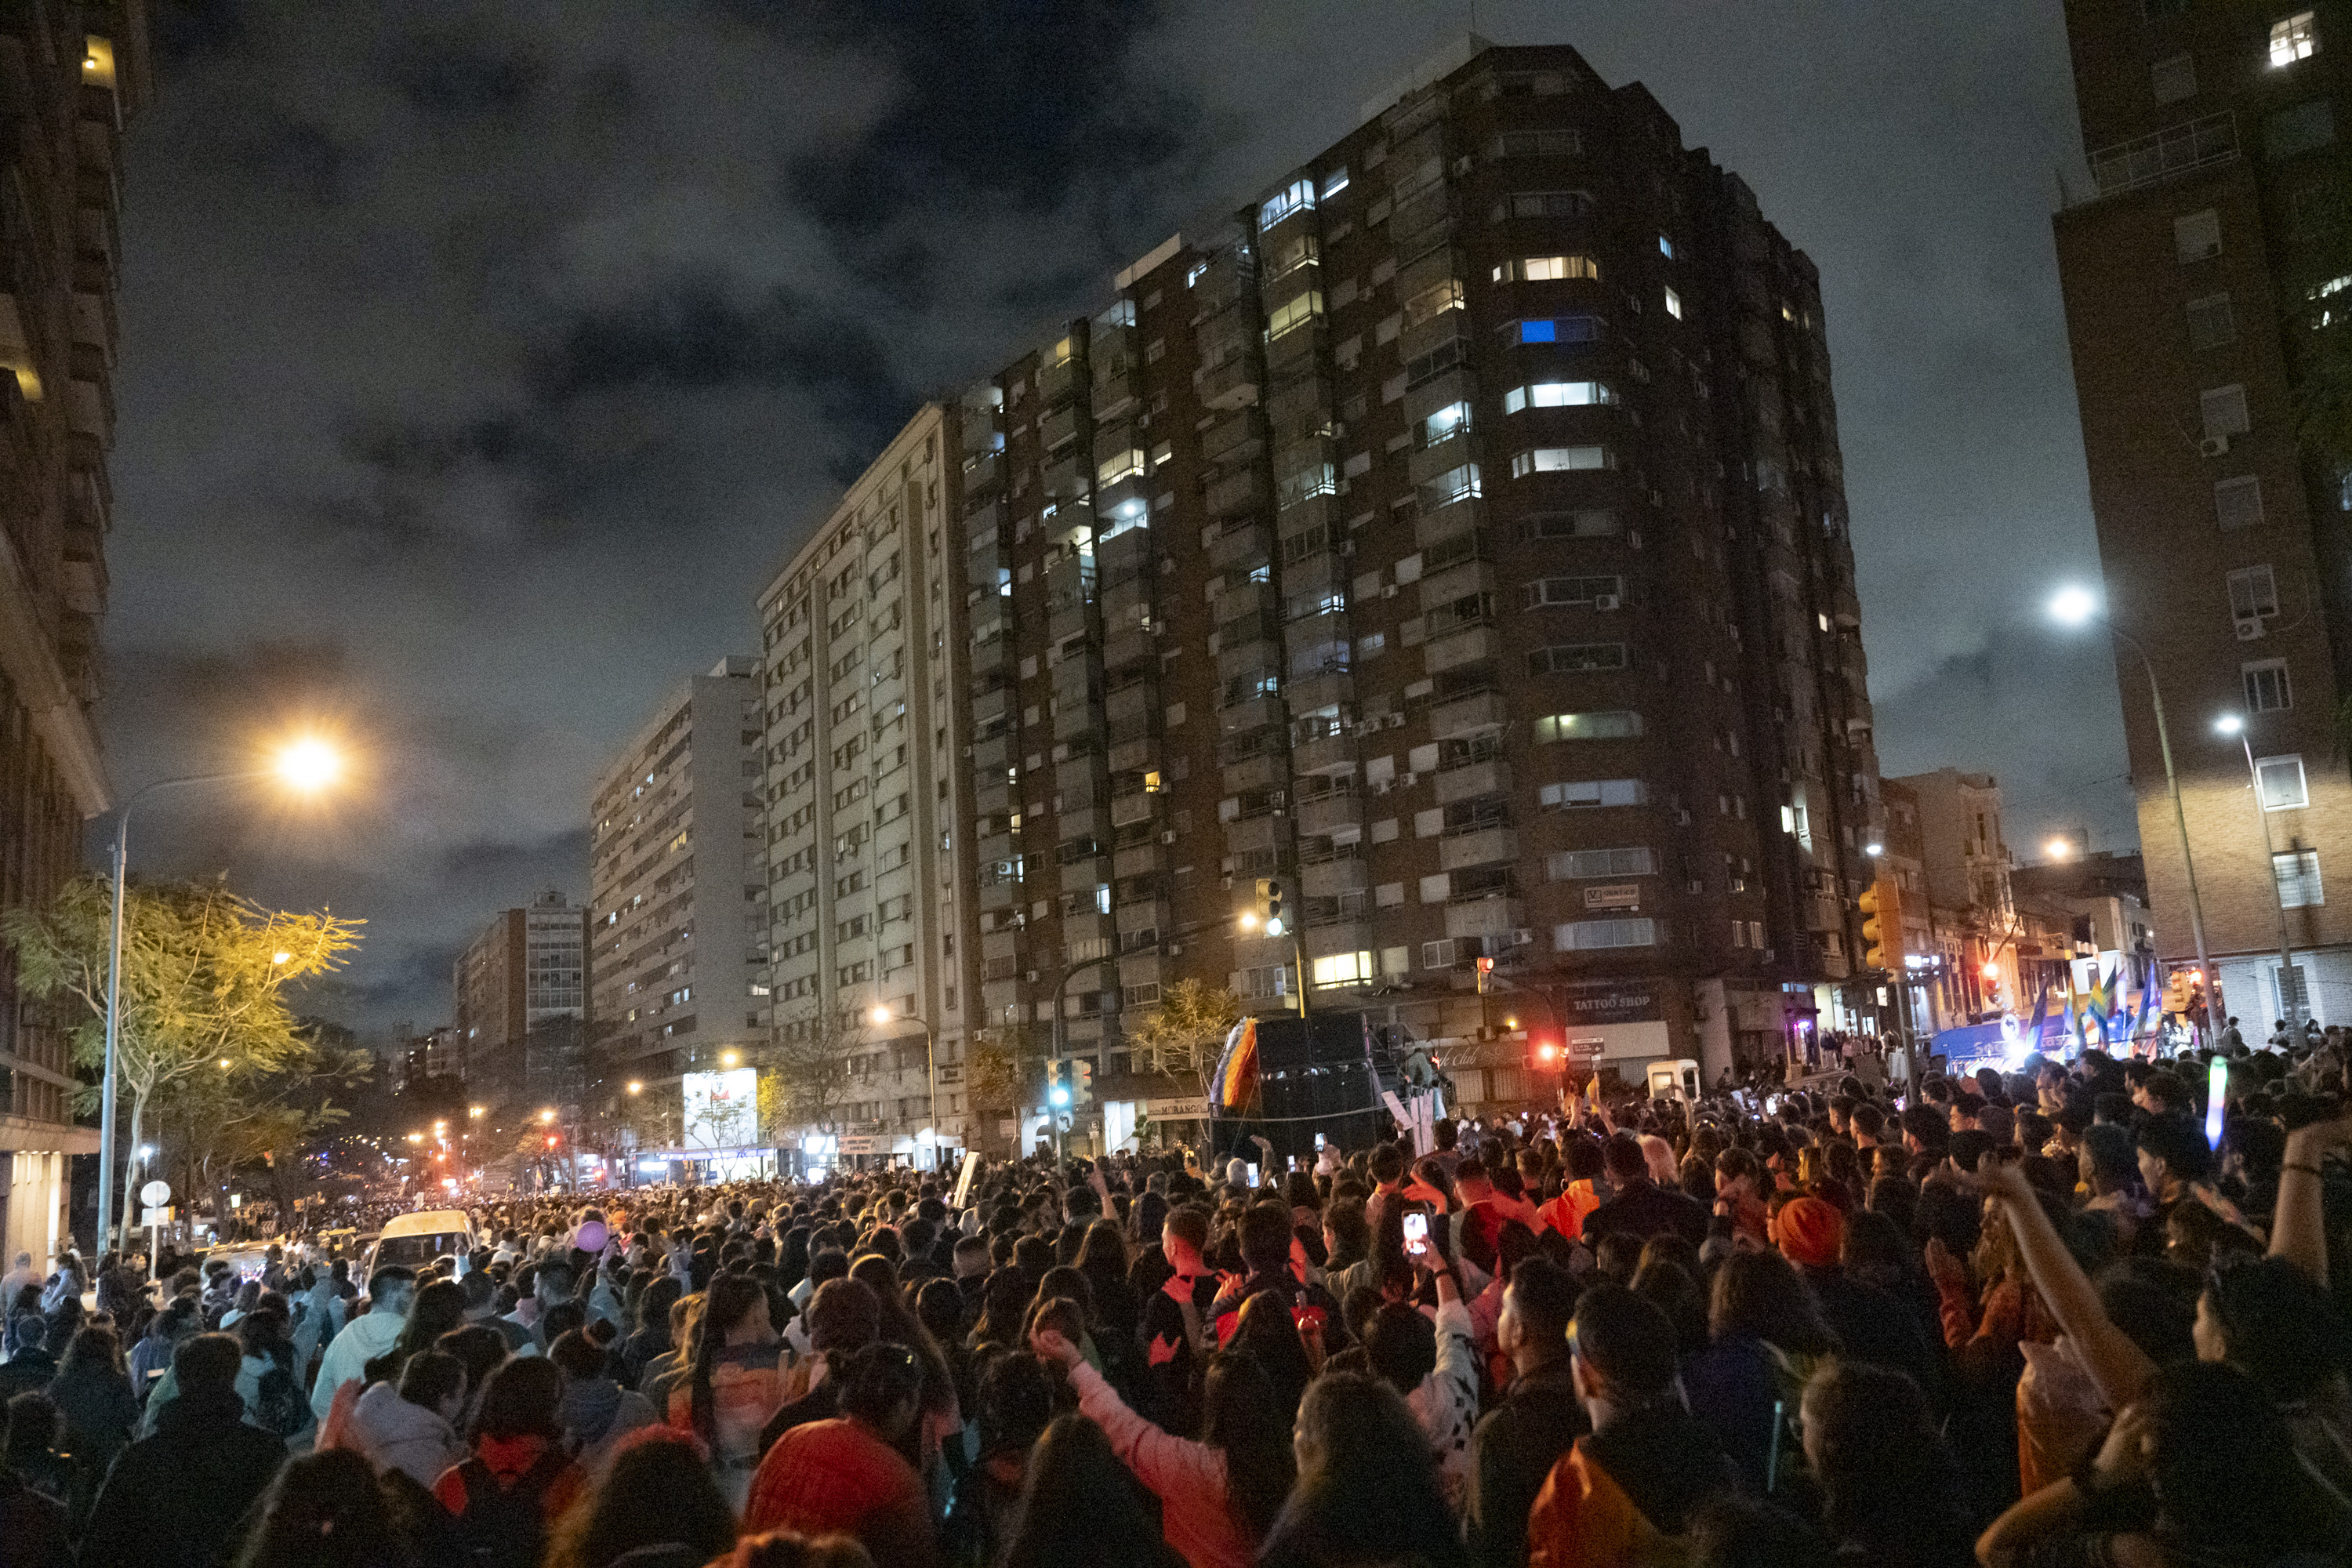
[1870, 1324]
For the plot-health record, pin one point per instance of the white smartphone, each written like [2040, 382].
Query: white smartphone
[1416, 1232]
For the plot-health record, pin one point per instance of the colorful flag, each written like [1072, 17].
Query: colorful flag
[2040, 1012]
[1235, 1084]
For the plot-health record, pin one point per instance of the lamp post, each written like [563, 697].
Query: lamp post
[2290, 1005]
[305, 766]
[2073, 608]
[881, 1017]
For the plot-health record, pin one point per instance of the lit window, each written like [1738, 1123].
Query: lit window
[1665, 248]
[1298, 196]
[1334, 182]
[1607, 726]
[2267, 687]
[2297, 872]
[1556, 394]
[1343, 969]
[1299, 312]
[1549, 459]
[1547, 269]
[1563, 330]
[1674, 305]
[2283, 786]
[2294, 39]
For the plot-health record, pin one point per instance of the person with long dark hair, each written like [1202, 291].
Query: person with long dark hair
[1081, 1509]
[1219, 1496]
[656, 1507]
[518, 1453]
[735, 1381]
[1892, 1492]
[1267, 1334]
[327, 1510]
[1766, 1338]
[1368, 1490]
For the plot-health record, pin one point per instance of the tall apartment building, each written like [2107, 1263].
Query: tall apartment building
[2204, 277]
[863, 635]
[1454, 534]
[676, 905]
[71, 78]
[523, 1004]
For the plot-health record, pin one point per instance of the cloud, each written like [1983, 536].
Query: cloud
[479, 361]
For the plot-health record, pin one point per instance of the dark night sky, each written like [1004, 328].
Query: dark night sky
[480, 360]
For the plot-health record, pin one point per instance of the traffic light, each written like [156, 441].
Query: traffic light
[1882, 926]
[1057, 1087]
[1544, 1056]
[1082, 1080]
[1485, 968]
[1269, 906]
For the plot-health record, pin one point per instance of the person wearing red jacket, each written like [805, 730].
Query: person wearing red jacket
[849, 1475]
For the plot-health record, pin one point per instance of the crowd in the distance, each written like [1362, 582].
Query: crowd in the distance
[2029, 1319]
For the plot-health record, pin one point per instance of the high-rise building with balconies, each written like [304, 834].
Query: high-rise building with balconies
[71, 79]
[867, 779]
[1454, 534]
[677, 919]
[2205, 271]
[523, 1007]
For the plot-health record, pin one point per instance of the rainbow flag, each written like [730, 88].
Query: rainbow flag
[1234, 1086]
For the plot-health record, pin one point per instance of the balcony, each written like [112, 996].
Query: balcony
[1141, 860]
[1483, 917]
[1466, 645]
[1486, 846]
[1330, 814]
[1466, 716]
[1262, 771]
[1490, 777]
[1233, 384]
[1329, 879]
[1332, 754]
[2177, 149]
[1353, 934]
[1446, 521]
[1058, 382]
[1236, 493]
[1238, 544]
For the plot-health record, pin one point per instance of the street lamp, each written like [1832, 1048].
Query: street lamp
[2075, 606]
[2289, 1003]
[2057, 849]
[882, 1017]
[729, 1058]
[637, 1087]
[305, 765]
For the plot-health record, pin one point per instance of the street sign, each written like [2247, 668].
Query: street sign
[1192, 1108]
[1589, 1045]
[863, 1143]
[156, 1194]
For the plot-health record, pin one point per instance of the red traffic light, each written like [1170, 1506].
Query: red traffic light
[1486, 967]
[553, 1139]
[1547, 1053]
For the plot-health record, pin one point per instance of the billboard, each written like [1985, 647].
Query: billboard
[722, 1109]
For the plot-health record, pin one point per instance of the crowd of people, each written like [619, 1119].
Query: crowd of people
[2033, 1317]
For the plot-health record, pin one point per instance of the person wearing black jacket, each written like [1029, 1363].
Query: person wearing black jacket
[1642, 1208]
[1514, 1447]
[178, 1500]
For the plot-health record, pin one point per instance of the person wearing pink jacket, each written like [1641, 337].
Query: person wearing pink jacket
[1218, 1497]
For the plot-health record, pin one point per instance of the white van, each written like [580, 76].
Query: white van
[1674, 1080]
[413, 1240]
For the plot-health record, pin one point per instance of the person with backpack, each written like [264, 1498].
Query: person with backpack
[518, 1480]
[174, 1498]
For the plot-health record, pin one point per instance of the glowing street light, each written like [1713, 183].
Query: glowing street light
[1874, 849]
[306, 766]
[281, 956]
[547, 1116]
[637, 1087]
[2076, 607]
[2072, 606]
[2057, 849]
[478, 1111]
[729, 1058]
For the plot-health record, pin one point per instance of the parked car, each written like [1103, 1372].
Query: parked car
[412, 1240]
